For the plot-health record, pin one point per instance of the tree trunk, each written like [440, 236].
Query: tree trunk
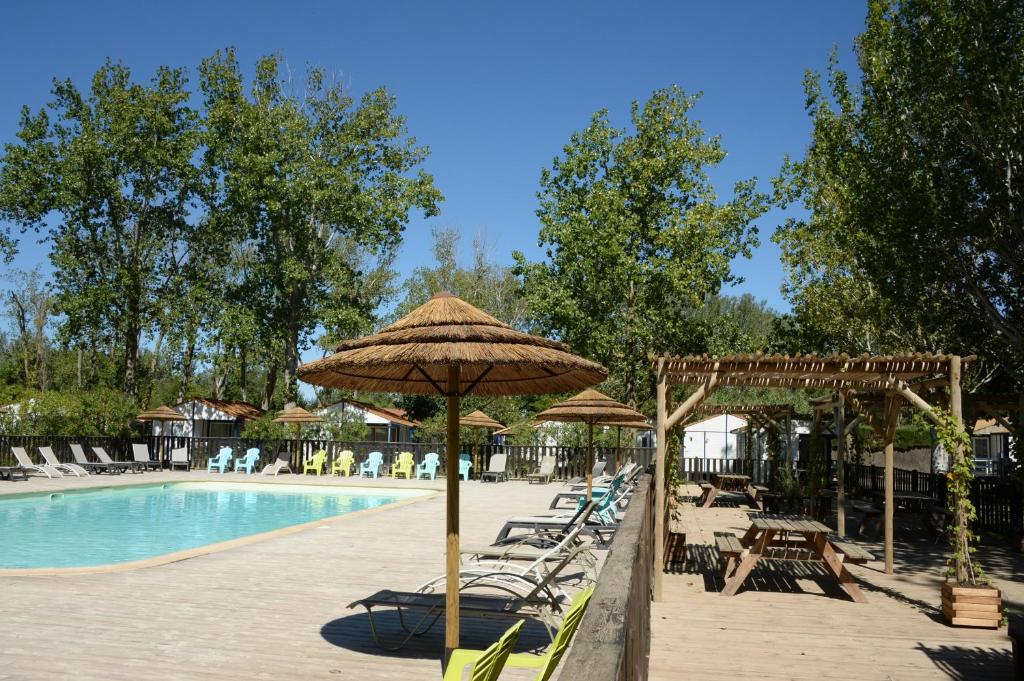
[220, 380]
[78, 366]
[22, 321]
[243, 379]
[268, 392]
[131, 359]
[186, 368]
[291, 357]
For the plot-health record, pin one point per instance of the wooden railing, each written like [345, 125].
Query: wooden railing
[699, 469]
[613, 642]
[520, 459]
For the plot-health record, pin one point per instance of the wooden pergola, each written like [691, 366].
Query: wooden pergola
[897, 377]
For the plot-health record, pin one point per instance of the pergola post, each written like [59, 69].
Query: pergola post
[659, 478]
[888, 440]
[956, 410]
[839, 425]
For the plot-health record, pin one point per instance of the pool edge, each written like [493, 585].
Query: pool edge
[187, 554]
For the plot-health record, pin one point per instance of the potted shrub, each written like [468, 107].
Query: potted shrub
[968, 597]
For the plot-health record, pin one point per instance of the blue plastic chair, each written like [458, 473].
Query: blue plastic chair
[220, 462]
[465, 463]
[428, 467]
[371, 465]
[248, 462]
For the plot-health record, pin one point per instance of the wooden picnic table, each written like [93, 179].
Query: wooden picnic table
[793, 538]
[727, 482]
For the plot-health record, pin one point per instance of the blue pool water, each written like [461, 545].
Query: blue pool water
[117, 525]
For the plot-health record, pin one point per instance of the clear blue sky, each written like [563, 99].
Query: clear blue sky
[494, 89]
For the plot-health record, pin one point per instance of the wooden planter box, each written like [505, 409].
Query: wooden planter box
[972, 606]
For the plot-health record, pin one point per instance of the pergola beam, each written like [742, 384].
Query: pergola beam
[692, 401]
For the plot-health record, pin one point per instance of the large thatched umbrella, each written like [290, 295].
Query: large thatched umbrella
[448, 347]
[292, 413]
[590, 407]
[478, 419]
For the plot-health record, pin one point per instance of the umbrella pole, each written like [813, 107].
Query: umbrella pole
[451, 627]
[618, 449]
[590, 462]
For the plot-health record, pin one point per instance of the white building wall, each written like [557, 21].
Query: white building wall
[712, 438]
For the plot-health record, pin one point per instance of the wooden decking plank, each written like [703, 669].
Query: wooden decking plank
[269, 610]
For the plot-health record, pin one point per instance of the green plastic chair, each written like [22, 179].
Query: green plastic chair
[487, 664]
[343, 464]
[403, 466]
[546, 663]
[316, 464]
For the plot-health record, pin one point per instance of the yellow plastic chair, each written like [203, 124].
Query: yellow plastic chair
[343, 464]
[316, 464]
[487, 664]
[546, 663]
[404, 466]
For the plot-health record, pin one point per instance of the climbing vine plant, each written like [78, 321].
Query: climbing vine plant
[954, 439]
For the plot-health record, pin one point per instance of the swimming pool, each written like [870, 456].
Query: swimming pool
[116, 525]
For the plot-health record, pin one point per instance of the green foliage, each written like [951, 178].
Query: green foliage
[955, 440]
[344, 425]
[912, 183]
[485, 283]
[635, 237]
[264, 428]
[115, 167]
[319, 187]
[102, 411]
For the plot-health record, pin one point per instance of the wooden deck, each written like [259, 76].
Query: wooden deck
[789, 622]
[275, 609]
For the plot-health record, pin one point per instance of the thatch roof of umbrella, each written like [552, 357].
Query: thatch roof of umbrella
[412, 355]
[448, 347]
[296, 414]
[160, 414]
[639, 425]
[478, 419]
[591, 406]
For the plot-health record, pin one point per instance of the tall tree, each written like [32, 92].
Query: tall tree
[109, 180]
[635, 236]
[913, 183]
[315, 183]
[487, 284]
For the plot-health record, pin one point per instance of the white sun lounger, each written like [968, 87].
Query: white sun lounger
[82, 460]
[25, 461]
[140, 452]
[281, 465]
[51, 460]
[102, 455]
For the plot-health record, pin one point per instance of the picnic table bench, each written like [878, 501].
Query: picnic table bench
[724, 482]
[772, 537]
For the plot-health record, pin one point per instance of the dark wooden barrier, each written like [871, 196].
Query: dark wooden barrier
[521, 459]
[613, 642]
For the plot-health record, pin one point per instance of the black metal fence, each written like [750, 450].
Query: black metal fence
[998, 500]
[520, 459]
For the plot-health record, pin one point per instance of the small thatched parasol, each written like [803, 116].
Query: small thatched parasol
[450, 348]
[160, 414]
[293, 413]
[478, 419]
[591, 407]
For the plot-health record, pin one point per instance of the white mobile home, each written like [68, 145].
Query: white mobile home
[387, 424]
[714, 438]
[209, 418]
